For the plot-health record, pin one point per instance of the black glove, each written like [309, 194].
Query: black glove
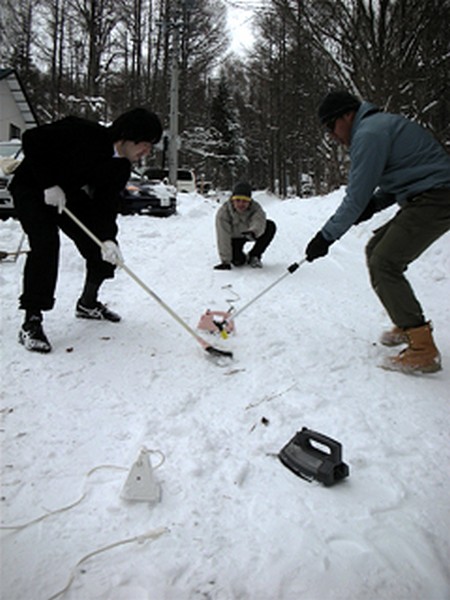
[249, 236]
[223, 267]
[368, 212]
[317, 247]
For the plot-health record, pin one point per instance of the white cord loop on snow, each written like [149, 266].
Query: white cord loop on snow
[84, 494]
[139, 539]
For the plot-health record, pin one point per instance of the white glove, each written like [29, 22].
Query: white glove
[54, 196]
[111, 253]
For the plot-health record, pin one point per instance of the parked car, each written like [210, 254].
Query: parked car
[185, 178]
[144, 197]
[206, 187]
[10, 154]
[141, 196]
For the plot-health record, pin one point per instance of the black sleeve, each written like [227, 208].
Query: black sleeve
[66, 152]
[106, 182]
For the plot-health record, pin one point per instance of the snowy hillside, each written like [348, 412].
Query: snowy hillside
[233, 523]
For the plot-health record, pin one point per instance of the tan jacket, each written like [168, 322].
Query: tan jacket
[231, 224]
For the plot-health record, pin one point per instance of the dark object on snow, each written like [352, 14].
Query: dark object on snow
[14, 255]
[4, 254]
[303, 456]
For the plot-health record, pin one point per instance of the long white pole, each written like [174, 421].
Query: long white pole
[205, 345]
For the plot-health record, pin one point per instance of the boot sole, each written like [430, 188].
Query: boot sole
[408, 370]
[80, 315]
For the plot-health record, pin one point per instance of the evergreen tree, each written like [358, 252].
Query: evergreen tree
[231, 161]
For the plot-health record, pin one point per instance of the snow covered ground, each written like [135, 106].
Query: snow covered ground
[233, 523]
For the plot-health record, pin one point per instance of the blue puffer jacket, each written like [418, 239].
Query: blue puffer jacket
[393, 159]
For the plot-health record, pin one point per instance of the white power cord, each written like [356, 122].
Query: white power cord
[64, 508]
[82, 497]
[140, 539]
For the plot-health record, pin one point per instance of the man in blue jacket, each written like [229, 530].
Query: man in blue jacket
[393, 160]
[85, 165]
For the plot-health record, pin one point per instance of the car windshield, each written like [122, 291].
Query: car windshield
[10, 149]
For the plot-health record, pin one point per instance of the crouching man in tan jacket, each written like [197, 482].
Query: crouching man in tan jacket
[240, 220]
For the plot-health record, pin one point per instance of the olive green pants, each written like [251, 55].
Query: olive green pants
[397, 244]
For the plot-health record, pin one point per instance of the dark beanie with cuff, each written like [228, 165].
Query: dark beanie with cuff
[335, 104]
[242, 191]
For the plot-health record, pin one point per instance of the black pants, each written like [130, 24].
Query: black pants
[41, 223]
[259, 247]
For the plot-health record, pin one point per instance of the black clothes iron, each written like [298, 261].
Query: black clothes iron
[303, 455]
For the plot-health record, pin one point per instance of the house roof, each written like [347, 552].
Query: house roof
[20, 96]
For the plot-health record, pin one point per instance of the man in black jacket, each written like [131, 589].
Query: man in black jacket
[84, 165]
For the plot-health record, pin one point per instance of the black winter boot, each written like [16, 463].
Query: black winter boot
[32, 336]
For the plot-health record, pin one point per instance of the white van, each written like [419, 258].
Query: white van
[185, 179]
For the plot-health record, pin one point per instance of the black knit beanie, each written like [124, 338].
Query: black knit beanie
[335, 104]
[242, 191]
[137, 125]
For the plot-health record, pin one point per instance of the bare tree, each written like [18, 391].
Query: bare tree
[394, 52]
[96, 20]
[18, 35]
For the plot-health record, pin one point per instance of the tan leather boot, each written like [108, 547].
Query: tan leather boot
[421, 355]
[394, 337]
